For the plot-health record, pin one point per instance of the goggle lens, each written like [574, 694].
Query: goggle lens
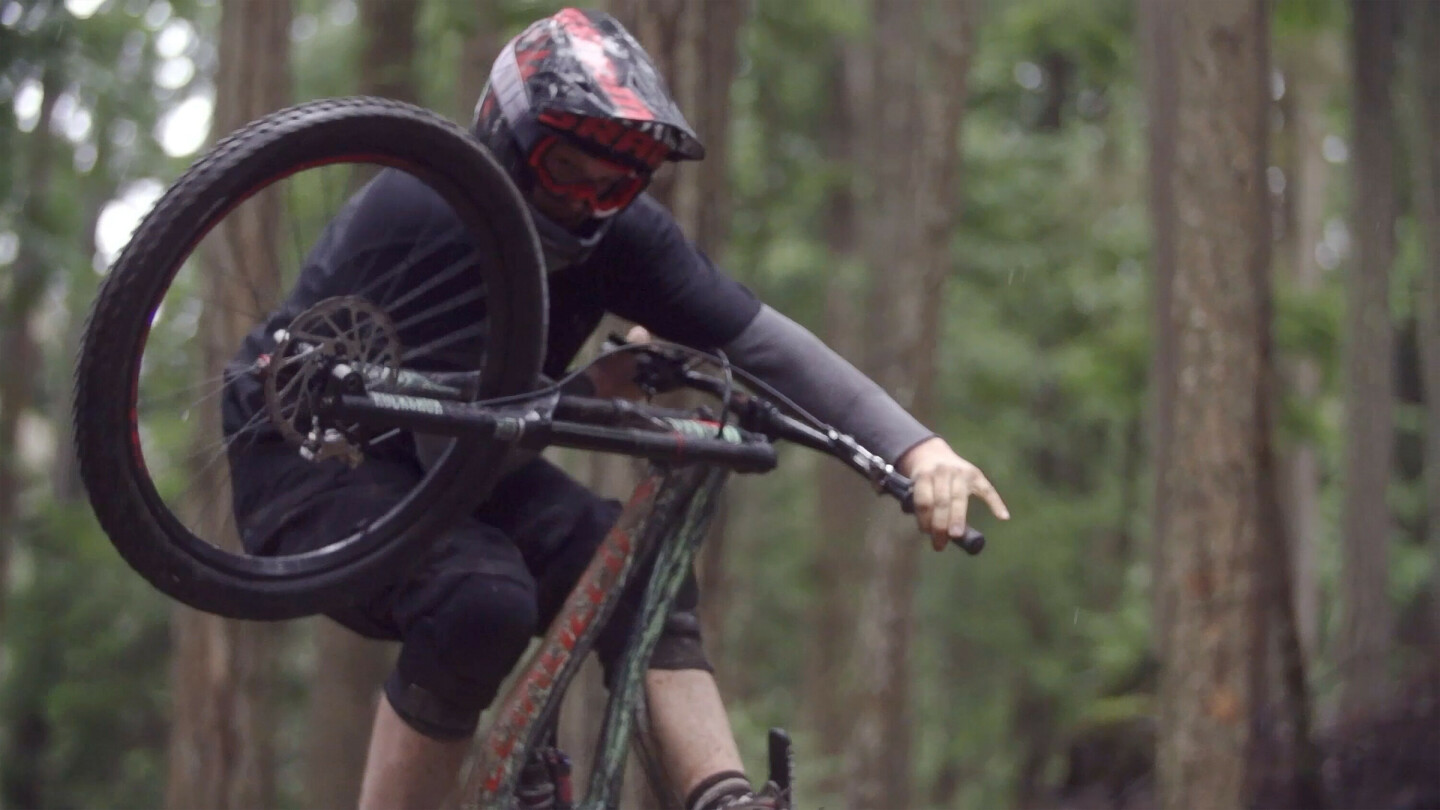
[604, 198]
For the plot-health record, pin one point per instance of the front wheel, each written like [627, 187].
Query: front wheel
[267, 248]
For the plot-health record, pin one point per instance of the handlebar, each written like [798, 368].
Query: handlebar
[660, 372]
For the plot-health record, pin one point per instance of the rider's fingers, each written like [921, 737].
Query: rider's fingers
[960, 492]
[638, 334]
[987, 492]
[960, 506]
[939, 522]
[923, 497]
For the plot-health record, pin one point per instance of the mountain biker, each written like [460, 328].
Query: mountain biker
[577, 113]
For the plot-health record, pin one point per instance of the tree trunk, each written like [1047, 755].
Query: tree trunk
[693, 42]
[1212, 472]
[1306, 189]
[221, 743]
[1285, 764]
[477, 53]
[80, 286]
[841, 498]
[343, 695]
[1365, 624]
[17, 341]
[1159, 34]
[1427, 191]
[387, 65]
[911, 158]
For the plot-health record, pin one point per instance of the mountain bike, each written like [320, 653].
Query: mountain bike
[352, 378]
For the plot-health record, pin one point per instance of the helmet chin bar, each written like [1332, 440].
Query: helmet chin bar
[563, 247]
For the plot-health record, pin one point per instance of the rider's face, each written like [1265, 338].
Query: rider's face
[568, 164]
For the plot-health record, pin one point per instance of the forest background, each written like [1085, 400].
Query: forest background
[1168, 271]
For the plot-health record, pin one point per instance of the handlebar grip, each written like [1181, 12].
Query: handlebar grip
[971, 540]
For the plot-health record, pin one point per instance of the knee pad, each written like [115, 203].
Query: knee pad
[455, 657]
[679, 645]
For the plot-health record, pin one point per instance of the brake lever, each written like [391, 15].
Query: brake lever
[656, 371]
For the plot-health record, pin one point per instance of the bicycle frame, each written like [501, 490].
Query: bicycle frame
[664, 521]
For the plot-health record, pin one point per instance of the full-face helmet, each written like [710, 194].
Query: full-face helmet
[579, 77]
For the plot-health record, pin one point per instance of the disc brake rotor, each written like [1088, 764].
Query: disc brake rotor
[342, 331]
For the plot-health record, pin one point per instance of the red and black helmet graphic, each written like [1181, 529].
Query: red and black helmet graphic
[582, 73]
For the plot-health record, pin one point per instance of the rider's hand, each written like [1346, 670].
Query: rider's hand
[944, 483]
[614, 375]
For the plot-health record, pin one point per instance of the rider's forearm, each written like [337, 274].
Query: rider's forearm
[799, 365]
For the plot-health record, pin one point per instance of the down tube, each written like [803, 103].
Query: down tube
[536, 693]
[672, 563]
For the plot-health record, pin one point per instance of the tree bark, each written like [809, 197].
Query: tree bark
[911, 160]
[221, 743]
[1212, 473]
[1158, 24]
[1426, 30]
[1365, 623]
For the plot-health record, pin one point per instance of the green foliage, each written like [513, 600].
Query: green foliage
[85, 693]
[83, 666]
[1308, 16]
[326, 37]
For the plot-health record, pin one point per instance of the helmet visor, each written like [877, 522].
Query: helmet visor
[564, 178]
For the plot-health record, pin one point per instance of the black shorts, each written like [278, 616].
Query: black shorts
[539, 526]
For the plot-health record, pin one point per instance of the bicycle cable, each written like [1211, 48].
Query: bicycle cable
[719, 359]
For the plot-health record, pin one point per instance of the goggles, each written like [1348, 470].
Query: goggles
[564, 179]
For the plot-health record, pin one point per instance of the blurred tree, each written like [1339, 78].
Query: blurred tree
[909, 167]
[1159, 40]
[17, 390]
[693, 42]
[1425, 33]
[17, 337]
[840, 502]
[1309, 54]
[483, 37]
[387, 62]
[1365, 633]
[1213, 475]
[224, 671]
